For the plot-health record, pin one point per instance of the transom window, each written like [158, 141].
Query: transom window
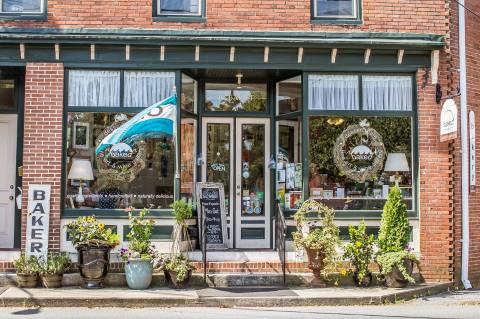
[179, 7]
[347, 9]
[22, 6]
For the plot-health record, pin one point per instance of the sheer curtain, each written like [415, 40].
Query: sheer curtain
[94, 88]
[143, 89]
[387, 93]
[333, 92]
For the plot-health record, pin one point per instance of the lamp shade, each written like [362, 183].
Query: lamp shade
[81, 169]
[396, 162]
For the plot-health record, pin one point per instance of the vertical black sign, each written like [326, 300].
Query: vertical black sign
[212, 211]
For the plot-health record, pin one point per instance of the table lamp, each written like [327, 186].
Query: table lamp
[81, 170]
[397, 162]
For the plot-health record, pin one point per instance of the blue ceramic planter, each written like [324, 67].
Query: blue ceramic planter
[139, 273]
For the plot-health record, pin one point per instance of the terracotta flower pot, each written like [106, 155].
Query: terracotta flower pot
[93, 263]
[52, 281]
[171, 279]
[315, 263]
[27, 280]
[395, 278]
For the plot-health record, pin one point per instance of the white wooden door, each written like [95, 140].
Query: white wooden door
[8, 155]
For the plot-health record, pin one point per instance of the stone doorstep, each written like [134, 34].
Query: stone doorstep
[238, 297]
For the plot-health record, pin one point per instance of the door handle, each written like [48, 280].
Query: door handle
[11, 198]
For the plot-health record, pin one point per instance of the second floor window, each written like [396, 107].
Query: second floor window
[22, 6]
[347, 9]
[179, 7]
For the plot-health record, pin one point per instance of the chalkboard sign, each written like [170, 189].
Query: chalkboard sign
[211, 204]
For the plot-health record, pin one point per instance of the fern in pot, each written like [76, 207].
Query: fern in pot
[52, 269]
[395, 258]
[359, 251]
[27, 268]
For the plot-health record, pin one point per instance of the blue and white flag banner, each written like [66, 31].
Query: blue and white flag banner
[154, 121]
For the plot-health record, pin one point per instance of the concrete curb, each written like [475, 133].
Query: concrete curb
[193, 300]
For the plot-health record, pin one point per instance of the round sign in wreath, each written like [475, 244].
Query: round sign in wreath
[359, 152]
[121, 162]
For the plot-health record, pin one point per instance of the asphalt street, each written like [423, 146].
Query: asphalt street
[461, 305]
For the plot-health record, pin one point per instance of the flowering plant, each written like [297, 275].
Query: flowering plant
[87, 231]
[139, 245]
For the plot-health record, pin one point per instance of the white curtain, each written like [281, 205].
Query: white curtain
[94, 88]
[333, 92]
[143, 89]
[387, 93]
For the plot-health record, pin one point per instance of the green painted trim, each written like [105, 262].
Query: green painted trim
[159, 232]
[111, 213]
[332, 20]
[178, 144]
[20, 102]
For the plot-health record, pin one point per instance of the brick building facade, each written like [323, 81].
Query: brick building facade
[266, 42]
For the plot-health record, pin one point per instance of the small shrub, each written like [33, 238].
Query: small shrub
[182, 211]
[359, 250]
[26, 265]
[55, 264]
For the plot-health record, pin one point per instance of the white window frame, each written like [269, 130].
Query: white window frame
[42, 9]
[354, 16]
[200, 10]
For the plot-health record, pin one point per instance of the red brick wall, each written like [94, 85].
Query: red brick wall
[42, 157]
[421, 16]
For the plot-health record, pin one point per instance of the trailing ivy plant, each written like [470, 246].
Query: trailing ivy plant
[394, 236]
[324, 238]
[359, 250]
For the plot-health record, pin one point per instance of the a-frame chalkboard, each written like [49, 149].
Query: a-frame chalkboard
[212, 214]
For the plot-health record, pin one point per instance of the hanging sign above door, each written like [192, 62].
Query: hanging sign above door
[38, 220]
[212, 214]
[448, 121]
[473, 149]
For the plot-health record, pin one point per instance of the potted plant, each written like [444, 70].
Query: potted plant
[178, 271]
[93, 242]
[360, 253]
[27, 270]
[320, 243]
[52, 269]
[140, 256]
[181, 211]
[395, 259]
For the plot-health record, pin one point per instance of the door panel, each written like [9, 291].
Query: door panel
[8, 145]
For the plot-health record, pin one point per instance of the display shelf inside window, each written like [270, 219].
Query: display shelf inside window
[355, 161]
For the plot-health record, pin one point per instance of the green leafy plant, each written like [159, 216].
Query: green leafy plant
[87, 231]
[55, 264]
[359, 250]
[26, 265]
[325, 238]
[139, 245]
[180, 265]
[182, 211]
[387, 261]
[394, 233]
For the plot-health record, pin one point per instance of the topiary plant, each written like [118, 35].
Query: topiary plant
[394, 233]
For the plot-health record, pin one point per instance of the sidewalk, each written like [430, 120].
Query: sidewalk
[212, 297]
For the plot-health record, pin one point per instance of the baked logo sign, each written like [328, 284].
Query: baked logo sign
[38, 220]
[359, 152]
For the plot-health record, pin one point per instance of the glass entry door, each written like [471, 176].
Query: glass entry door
[236, 153]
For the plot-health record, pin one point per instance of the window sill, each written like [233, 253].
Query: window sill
[21, 16]
[111, 213]
[188, 19]
[339, 21]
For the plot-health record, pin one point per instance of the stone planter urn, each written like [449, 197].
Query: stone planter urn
[138, 273]
[93, 263]
[52, 281]
[395, 278]
[315, 263]
[27, 280]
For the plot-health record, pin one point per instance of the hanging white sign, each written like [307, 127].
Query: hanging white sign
[448, 121]
[38, 220]
[473, 149]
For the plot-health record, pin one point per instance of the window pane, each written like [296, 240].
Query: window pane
[354, 160]
[179, 6]
[94, 88]
[343, 8]
[143, 89]
[7, 94]
[22, 5]
[333, 92]
[230, 97]
[289, 96]
[138, 174]
[189, 94]
[387, 93]
[189, 150]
